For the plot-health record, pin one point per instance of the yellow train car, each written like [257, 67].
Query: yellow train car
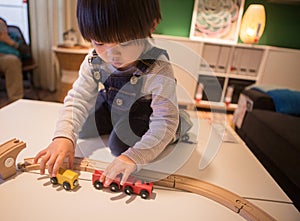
[67, 178]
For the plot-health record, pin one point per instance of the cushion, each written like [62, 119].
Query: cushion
[286, 101]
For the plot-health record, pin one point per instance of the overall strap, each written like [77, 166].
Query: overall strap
[145, 61]
[148, 58]
[95, 62]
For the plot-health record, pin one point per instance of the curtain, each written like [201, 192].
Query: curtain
[48, 21]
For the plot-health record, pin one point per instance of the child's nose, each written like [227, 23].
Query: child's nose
[113, 50]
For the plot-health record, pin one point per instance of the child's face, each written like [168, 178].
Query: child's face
[120, 55]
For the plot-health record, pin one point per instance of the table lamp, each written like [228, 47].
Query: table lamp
[253, 24]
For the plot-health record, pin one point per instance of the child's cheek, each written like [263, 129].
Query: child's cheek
[102, 54]
[133, 53]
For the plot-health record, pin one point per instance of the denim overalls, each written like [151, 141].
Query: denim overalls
[121, 109]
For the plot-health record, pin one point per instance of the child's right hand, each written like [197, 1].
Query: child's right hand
[53, 156]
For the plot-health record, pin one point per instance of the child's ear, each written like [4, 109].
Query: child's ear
[154, 25]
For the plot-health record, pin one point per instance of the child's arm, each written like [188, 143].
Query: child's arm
[164, 120]
[53, 156]
[78, 103]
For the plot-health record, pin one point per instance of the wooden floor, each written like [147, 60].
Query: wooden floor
[63, 88]
[39, 94]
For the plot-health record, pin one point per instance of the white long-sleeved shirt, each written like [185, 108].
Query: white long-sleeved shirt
[159, 82]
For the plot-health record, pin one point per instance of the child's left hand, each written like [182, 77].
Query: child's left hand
[121, 164]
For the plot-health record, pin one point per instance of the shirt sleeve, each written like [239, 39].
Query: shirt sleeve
[77, 104]
[160, 82]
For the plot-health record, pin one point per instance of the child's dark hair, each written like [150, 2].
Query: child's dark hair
[110, 21]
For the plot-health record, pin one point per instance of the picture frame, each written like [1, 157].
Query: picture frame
[217, 21]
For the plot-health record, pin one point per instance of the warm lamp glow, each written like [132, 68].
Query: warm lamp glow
[253, 24]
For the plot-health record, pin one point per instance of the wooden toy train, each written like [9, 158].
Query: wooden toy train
[69, 180]
[132, 185]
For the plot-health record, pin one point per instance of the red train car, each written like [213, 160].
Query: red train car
[131, 186]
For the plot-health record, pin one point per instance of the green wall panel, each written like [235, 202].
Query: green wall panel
[282, 28]
[177, 17]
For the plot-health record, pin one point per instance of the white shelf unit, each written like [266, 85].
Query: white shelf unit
[237, 65]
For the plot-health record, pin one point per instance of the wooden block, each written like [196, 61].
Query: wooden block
[8, 154]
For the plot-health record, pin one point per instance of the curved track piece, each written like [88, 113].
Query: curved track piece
[218, 194]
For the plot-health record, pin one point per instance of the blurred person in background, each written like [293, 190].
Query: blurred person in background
[11, 52]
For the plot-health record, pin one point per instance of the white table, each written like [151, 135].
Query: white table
[30, 195]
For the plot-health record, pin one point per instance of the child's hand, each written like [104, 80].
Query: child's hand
[54, 155]
[121, 164]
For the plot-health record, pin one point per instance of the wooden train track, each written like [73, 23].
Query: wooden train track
[218, 194]
[8, 154]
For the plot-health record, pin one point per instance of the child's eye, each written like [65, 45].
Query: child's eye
[98, 43]
[126, 43]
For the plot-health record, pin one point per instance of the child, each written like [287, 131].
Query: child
[137, 104]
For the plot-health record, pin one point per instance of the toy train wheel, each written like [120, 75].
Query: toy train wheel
[114, 187]
[128, 190]
[144, 194]
[75, 183]
[53, 180]
[66, 185]
[98, 185]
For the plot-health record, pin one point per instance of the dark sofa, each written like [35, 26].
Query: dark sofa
[274, 138]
